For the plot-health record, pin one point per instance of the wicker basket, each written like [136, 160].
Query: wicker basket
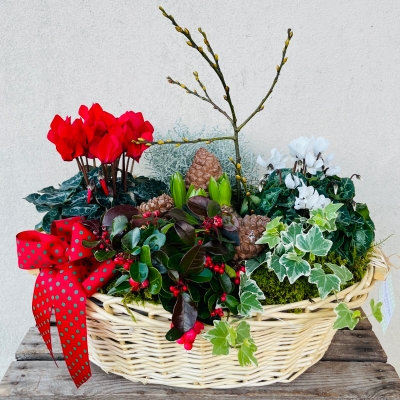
[288, 343]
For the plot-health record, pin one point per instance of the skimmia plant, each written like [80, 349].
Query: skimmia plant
[201, 248]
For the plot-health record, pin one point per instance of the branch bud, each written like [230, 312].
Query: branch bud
[200, 49]
[287, 43]
[183, 86]
[238, 177]
[261, 108]
[187, 31]
[177, 145]
[226, 88]
[226, 98]
[248, 194]
[215, 66]
[238, 166]
[230, 159]
[185, 139]
[278, 68]
[204, 88]
[291, 34]
[284, 60]
[161, 9]
[189, 43]
[148, 144]
[169, 140]
[216, 57]
[206, 42]
[178, 28]
[140, 139]
[195, 73]
[244, 180]
[160, 142]
[207, 142]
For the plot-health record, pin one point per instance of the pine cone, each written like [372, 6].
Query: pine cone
[161, 203]
[250, 230]
[204, 166]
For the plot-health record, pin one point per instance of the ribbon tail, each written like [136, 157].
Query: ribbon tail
[42, 305]
[70, 307]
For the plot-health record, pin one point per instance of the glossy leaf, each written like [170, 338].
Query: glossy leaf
[72, 183]
[139, 271]
[216, 248]
[185, 313]
[269, 199]
[180, 215]
[295, 266]
[220, 337]
[155, 241]
[198, 205]
[173, 334]
[119, 224]
[293, 230]
[271, 235]
[48, 219]
[186, 232]
[155, 281]
[232, 303]
[123, 287]
[127, 211]
[193, 261]
[79, 209]
[313, 242]
[90, 244]
[102, 255]
[226, 283]
[131, 239]
[256, 262]
[213, 209]
[249, 285]
[204, 276]
[249, 304]
[279, 269]
[246, 353]
[326, 283]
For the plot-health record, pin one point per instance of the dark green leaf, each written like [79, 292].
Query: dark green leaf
[345, 190]
[79, 209]
[232, 303]
[48, 219]
[215, 285]
[155, 241]
[42, 209]
[180, 215]
[53, 199]
[119, 224]
[72, 183]
[212, 301]
[269, 199]
[32, 198]
[139, 271]
[174, 275]
[226, 283]
[213, 209]
[102, 255]
[80, 197]
[89, 244]
[193, 291]
[145, 255]
[123, 287]
[193, 261]
[121, 279]
[204, 276]
[131, 239]
[174, 261]
[155, 281]
[48, 189]
[173, 334]
[186, 232]
[185, 313]
[160, 261]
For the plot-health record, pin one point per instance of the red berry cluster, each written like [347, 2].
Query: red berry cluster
[180, 287]
[223, 297]
[154, 214]
[242, 268]
[218, 268]
[123, 260]
[137, 285]
[215, 222]
[189, 337]
[104, 238]
[218, 312]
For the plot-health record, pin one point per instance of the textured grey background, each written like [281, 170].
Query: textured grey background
[341, 82]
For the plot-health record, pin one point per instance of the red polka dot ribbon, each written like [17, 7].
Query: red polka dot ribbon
[68, 274]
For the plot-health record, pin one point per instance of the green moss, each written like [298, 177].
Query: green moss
[283, 292]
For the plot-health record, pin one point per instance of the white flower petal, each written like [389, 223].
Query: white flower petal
[321, 144]
[289, 182]
[310, 159]
[261, 161]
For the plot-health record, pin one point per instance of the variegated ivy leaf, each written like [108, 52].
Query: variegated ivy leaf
[277, 267]
[271, 235]
[256, 262]
[346, 317]
[325, 217]
[249, 285]
[313, 242]
[289, 237]
[341, 272]
[222, 336]
[295, 266]
[249, 304]
[246, 353]
[325, 282]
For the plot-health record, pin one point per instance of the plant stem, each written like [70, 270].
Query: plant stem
[82, 169]
[114, 178]
[180, 142]
[124, 173]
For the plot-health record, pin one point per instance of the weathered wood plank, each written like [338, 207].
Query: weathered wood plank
[40, 380]
[361, 345]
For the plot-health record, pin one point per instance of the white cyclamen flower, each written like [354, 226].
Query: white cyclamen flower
[298, 148]
[276, 161]
[330, 169]
[292, 181]
[313, 165]
[309, 198]
[321, 144]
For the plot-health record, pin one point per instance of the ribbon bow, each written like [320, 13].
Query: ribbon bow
[68, 274]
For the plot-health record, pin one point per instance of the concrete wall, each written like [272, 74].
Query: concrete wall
[341, 81]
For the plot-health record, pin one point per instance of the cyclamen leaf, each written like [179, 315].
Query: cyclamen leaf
[249, 285]
[325, 282]
[218, 336]
[248, 304]
[313, 242]
[48, 219]
[341, 272]
[277, 267]
[345, 317]
[295, 266]
[246, 353]
[73, 182]
[289, 236]
[376, 310]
